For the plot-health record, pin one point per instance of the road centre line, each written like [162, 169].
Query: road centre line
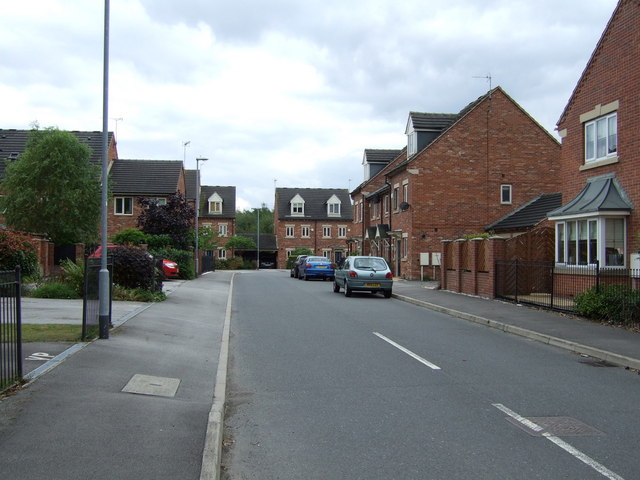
[408, 352]
[604, 471]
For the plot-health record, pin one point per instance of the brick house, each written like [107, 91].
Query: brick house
[130, 180]
[316, 218]
[600, 132]
[218, 212]
[458, 174]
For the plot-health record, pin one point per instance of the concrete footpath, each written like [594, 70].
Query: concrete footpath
[135, 406]
[149, 402]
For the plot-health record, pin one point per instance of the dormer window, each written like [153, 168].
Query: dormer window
[412, 143]
[297, 206]
[333, 207]
[215, 204]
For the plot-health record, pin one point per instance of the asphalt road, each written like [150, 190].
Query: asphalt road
[322, 386]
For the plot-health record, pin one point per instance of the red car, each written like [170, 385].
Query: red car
[169, 267]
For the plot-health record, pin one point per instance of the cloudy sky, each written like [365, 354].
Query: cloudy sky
[283, 92]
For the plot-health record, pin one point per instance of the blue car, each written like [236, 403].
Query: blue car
[319, 267]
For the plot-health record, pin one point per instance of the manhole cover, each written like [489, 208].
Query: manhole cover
[149, 385]
[558, 426]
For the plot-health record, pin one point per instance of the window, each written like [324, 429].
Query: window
[289, 231]
[601, 138]
[333, 206]
[123, 206]
[297, 206]
[583, 241]
[412, 143]
[326, 253]
[304, 231]
[396, 193]
[222, 229]
[326, 231]
[160, 201]
[386, 204]
[374, 209]
[342, 232]
[405, 246]
[288, 252]
[405, 192]
[215, 204]
[505, 194]
[222, 253]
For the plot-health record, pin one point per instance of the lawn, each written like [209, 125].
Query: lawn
[52, 333]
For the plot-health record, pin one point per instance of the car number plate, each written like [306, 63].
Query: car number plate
[371, 284]
[322, 266]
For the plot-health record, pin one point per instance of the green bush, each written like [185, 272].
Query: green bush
[130, 236]
[136, 295]
[184, 259]
[158, 242]
[16, 249]
[73, 274]
[616, 303]
[55, 290]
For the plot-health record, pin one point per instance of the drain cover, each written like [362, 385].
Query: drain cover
[559, 427]
[149, 385]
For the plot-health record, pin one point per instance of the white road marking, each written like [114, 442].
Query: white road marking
[408, 352]
[604, 471]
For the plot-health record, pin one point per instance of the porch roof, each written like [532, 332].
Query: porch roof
[601, 194]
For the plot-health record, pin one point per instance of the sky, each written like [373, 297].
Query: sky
[284, 93]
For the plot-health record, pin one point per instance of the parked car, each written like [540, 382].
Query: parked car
[169, 267]
[267, 264]
[320, 267]
[296, 263]
[363, 274]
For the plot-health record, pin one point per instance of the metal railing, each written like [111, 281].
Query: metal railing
[10, 328]
[555, 287]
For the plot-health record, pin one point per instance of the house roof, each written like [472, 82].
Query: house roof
[13, 142]
[430, 122]
[601, 194]
[228, 195]
[190, 181]
[380, 156]
[594, 55]
[315, 203]
[268, 241]
[145, 177]
[529, 214]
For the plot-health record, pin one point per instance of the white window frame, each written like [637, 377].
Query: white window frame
[222, 253]
[412, 143]
[326, 253]
[507, 189]
[120, 206]
[342, 231]
[305, 231]
[289, 231]
[579, 241]
[596, 146]
[326, 231]
[223, 229]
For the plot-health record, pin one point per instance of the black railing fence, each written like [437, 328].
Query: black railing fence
[10, 328]
[557, 287]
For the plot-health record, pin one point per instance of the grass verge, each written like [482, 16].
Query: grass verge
[51, 333]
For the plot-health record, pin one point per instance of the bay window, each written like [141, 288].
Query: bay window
[583, 241]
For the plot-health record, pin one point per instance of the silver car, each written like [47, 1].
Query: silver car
[363, 274]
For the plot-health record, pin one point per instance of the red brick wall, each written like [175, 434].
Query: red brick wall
[612, 75]
[454, 184]
[316, 242]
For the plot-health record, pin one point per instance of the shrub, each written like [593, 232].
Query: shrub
[132, 268]
[614, 303]
[130, 236]
[184, 259]
[55, 290]
[136, 295]
[73, 274]
[158, 242]
[17, 249]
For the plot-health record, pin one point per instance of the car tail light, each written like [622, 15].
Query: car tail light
[389, 275]
[332, 266]
[353, 274]
[308, 265]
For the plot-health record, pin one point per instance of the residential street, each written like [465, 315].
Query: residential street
[323, 386]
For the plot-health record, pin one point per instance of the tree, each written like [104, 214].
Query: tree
[246, 221]
[174, 219]
[240, 243]
[52, 188]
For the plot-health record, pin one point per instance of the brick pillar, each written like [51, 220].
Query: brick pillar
[444, 277]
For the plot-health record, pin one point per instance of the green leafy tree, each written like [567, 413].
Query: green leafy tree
[174, 219]
[17, 249]
[52, 188]
[246, 220]
[240, 243]
[207, 238]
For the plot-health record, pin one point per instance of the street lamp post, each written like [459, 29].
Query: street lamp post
[198, 160]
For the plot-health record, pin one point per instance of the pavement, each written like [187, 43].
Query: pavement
[148, 403]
